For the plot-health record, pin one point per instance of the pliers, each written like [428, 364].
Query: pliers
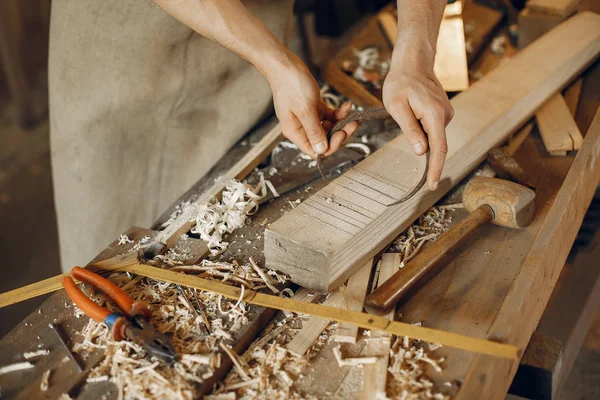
[133, 325]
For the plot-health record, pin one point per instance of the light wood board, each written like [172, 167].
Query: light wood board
[354, 299]
[321, 248]
[450, 65]
[313, 328]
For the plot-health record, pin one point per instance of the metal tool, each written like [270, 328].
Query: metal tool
[373, 114]
[134, 325]
[493, 200]
[342, 160]
[66, 346]
[204, 326]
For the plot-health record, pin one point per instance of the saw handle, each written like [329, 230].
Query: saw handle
[385, 297]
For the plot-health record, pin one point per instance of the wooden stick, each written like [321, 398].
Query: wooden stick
[311, 331]
[362, 320]
[572, 95]
[239, 171]
[557, 126]
[53, 284]
[354, 299]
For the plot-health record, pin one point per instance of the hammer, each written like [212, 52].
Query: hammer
[493, 200]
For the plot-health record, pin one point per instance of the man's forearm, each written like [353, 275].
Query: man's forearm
[418, 27]
[229, 23]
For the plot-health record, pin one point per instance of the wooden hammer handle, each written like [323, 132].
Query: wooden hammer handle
[438, 254]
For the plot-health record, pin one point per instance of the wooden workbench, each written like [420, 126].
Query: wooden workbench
[466, 297]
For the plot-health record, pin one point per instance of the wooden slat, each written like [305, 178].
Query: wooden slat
[321, 251]
[363, 320]
[240, 170]
[375, 375]
[354, 299]
[533, 285]
[562, 8]
[557, 126]
[572, 95]
[450, 65]
[312, 329]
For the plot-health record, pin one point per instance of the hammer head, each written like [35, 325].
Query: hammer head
[513, 204]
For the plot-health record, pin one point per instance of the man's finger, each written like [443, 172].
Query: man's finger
[433, 123]
[343, 111]
[405, 117]
[314, 131]
[338, 138]
[294, 131]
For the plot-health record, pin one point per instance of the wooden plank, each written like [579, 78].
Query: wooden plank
[320, 251]
[375, 375]
[557, 126]
[363, 320]
[240, 170]
[533, 24]
[479, 23]
[572, 95]
[311, 330]
[552, 350]
[520, 312]
[389, 25]
[354, 299]
[450, 65]
[562, 8]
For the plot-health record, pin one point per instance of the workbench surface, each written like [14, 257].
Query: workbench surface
[466, 297]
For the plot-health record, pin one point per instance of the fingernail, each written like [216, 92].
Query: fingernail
[320, 147]
[434, 185]
[418, 148]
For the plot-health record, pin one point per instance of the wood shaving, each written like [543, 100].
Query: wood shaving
[35, 354]
[426, 229]
[15, 367]
[407, 368]
[45, 383]
[124, 239]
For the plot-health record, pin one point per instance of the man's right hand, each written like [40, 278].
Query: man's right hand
[304, 116]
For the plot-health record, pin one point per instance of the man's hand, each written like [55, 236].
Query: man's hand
[304, 116]
[411, 95]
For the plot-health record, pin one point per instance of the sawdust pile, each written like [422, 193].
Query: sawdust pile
[427, 228]
[407, 379]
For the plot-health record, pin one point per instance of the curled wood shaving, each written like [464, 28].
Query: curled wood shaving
[35, 354]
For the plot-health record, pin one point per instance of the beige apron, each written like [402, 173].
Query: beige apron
[141, 107]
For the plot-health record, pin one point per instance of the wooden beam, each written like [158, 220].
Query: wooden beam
[328, 237]
[313, 328]
[362, 320]
[375, 375]
[557, 126]
[552, 350]
[240, 170]
[537, 277]
[354, 299]
[450, 65]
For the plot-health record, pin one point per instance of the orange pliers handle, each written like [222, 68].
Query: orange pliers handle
[98, 313]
